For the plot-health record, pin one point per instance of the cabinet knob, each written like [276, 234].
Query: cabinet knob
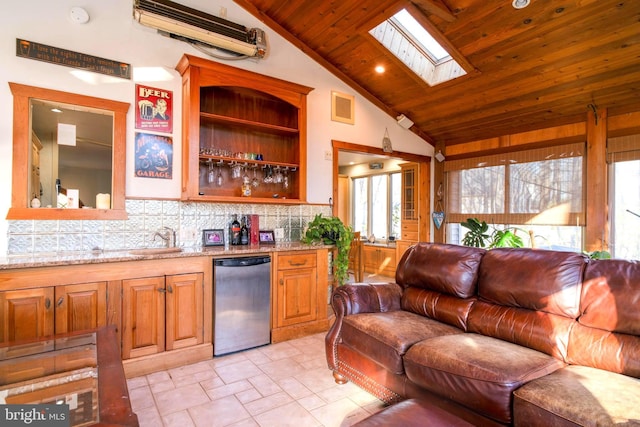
[60, 301]
[47, 303]
[162, 290]
[169, 289]
[281, 281]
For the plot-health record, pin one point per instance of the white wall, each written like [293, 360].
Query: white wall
[111, 33]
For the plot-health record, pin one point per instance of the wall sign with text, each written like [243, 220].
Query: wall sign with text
[154, 109]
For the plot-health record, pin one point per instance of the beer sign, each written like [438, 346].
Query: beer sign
[154, 110]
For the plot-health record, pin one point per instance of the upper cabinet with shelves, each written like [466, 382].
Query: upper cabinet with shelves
[240, 127]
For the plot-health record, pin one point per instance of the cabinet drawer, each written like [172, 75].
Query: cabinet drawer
[301, 260]
[409, 235]
[409, 226]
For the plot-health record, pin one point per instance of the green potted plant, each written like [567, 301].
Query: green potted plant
[332, 231]
[478, 236]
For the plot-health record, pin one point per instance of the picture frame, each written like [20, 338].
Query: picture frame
[342, 107]
[213, 237]
[266, 237]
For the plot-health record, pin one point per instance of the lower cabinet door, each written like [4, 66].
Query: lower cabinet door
[297, 292]
[184, 310]
[81, 307]
[143, 321]
[26, 314]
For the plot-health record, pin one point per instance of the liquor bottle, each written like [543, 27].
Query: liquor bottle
[235, 231]
[244, 232]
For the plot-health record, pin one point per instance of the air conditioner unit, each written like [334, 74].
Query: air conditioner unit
[183, 21]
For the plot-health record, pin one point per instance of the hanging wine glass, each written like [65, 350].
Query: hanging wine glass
[255, 182]
[211, 177]
[285, 178]
[219, 180]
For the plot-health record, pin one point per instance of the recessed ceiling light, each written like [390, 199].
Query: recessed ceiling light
[379, 69]
[520, 4]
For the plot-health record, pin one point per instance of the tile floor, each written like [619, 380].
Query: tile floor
[283, 384]
[279, 385]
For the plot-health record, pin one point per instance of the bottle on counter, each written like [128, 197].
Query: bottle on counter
[244, 232]
[234, 231]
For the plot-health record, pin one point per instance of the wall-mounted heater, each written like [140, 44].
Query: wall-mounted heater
[185, 22]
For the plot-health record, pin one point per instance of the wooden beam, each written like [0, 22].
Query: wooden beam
[596, 236]
[437, 8]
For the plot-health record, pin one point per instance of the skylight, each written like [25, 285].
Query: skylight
[420, 35]
[412, 44]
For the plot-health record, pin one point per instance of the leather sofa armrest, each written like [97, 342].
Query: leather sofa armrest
[354, 298]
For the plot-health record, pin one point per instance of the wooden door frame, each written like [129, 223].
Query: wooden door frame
[425, 174]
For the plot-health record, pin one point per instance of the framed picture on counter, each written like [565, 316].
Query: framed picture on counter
[266, 237]
[214, 237]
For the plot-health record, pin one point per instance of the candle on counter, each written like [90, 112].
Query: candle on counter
[103, 201]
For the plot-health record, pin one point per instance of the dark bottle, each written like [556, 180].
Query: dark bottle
[244, 232]
[234, 232]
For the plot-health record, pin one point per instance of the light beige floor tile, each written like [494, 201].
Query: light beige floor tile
[248, 395]
[178, 419]
[141, 398]
[229, 359]
[342, 413]
[180, 398]
[229, 389]
[148, 417]
[281, 350]
[136, 382]
[294, 388]
[195, 378]
[311, 402]
[283, 368]
[190, 369]
[267, 403]
[289, 415]
[162, 386]
[212, 383]
[338, 392]
[317, 379]
[238, 371]
[257, 356]
[265, 385]
[158, 377]
[219, 413]
[249, 422]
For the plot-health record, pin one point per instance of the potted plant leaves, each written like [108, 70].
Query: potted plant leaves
[332, 231]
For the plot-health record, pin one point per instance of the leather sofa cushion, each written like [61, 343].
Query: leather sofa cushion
[578, 395]
[413, 412]
[476, 371]
[548, 281]
[385, 337]
[445, 308]
[449, 269]
[545, 332]
[611, 296]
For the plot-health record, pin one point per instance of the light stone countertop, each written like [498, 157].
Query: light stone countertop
[50, 259]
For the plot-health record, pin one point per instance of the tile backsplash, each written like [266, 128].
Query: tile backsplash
[146, 217]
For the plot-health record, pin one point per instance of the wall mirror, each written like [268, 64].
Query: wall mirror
[86, 153]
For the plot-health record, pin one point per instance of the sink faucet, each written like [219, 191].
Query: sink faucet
[168, 235]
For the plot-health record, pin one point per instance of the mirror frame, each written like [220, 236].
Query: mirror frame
[20, 209]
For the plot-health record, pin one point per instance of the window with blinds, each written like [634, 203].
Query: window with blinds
[539, 190]
[623, 156]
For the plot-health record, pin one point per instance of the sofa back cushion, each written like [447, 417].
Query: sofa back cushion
[443, 268]
[529, 297]
[608, 332]
[540, 280]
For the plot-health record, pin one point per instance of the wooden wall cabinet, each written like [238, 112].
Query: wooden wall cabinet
[229, 116]
[34, 313]
[299, 293]
[161, 313]
[379, 260]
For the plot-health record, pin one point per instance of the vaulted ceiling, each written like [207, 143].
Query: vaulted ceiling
[540, 66]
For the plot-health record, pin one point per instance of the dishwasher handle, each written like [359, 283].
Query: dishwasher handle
[241, 262]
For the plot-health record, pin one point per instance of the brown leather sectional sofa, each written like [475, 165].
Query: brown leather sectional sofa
[505, 336]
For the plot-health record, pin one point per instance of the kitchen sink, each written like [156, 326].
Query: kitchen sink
[154, 251]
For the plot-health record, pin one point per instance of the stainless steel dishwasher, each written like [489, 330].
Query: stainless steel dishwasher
[242, 303]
